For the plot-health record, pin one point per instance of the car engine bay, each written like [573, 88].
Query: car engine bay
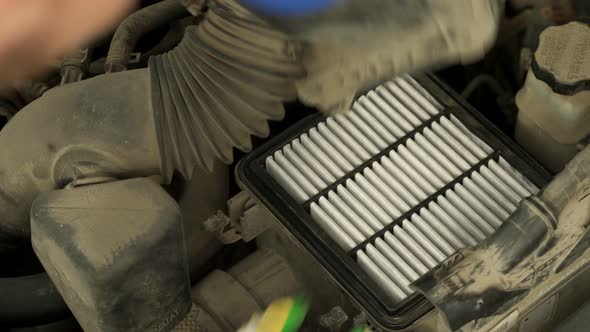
[213, 166]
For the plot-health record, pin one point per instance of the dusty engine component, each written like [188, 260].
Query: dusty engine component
[231, 298]
[104, 280]
[80, 131]
[89, 128]
[554, 103]
[226, 79]
[30, 300]
[116, 253]
[121, 269]
[201, 245]
[384, 193]
[532, 258]
[137, 25]
[75, 66]
[92, 129]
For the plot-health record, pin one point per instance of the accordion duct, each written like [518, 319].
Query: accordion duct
[226, 79]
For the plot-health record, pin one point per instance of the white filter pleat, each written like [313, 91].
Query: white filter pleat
[398, 184]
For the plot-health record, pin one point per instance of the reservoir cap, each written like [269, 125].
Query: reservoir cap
[562, 59]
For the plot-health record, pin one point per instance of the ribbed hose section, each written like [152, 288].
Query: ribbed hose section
[226, 79]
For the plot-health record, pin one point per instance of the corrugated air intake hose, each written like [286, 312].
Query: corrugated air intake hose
[226, 79]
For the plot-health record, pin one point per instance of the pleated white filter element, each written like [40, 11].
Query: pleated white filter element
[439, 189]
[335, 147]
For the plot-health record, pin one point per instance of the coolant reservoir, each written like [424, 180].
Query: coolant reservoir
[554, 103]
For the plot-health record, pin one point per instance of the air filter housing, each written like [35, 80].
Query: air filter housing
[384, 193]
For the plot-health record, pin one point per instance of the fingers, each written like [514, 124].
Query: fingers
[34, 33]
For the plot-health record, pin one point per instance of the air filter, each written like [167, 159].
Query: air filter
[384, 193]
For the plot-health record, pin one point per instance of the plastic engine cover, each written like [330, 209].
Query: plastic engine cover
[115, 251]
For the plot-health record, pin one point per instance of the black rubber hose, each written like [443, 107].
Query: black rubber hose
[135, 26]
[30, 301]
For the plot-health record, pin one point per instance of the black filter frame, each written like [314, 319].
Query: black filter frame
[295, 218]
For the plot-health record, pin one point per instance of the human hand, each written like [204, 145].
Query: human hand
[36, 33]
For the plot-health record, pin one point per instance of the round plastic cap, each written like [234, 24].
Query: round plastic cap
[562, 59]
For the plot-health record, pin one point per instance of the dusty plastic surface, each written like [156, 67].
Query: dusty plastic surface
[232, 297]
[197, 320]
[554, 103]
[84, 129]
[116, 253]
[220, 86]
